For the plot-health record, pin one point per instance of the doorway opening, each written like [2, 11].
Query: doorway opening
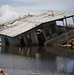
[29, 40]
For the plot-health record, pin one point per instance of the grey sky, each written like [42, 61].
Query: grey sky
[10, 8]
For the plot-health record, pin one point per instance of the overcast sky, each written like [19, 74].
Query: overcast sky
[10, 9]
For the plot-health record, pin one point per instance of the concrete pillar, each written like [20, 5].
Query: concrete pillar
[25, 40]
[16, 41]
[10, 41]
[34, 37]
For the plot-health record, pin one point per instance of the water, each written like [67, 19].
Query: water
[35, 59]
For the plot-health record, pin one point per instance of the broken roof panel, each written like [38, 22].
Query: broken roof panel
[18, 29]
[28, 22]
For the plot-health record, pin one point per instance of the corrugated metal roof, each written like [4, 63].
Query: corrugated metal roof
[28, 22]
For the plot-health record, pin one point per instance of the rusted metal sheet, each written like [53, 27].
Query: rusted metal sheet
[28, 22]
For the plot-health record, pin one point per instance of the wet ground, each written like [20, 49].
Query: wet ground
[35, 59]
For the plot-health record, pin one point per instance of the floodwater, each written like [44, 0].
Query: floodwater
[37, 60]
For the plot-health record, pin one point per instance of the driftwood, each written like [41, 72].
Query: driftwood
[3, 73]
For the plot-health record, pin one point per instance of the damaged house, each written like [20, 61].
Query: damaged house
[38, 29]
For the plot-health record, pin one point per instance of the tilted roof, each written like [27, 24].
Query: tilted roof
[28, 22]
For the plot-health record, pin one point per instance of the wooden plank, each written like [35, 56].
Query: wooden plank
[61, 38]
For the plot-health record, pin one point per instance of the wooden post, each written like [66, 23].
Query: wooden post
[65, 31]
[73, 19]
[64, 26]
[65, 20]
[44, 33]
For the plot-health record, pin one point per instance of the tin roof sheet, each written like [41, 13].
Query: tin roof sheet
[26, 23]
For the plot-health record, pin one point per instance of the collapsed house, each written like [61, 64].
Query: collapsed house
[38, 29]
